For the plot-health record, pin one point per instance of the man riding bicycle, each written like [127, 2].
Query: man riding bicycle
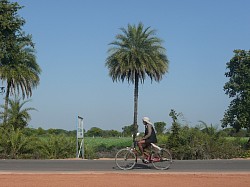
[148, 138]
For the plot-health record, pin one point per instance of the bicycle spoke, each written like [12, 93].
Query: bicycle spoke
[162, 160]
[125, 159]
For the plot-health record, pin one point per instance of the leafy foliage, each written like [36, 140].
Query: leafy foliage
[18, 63]
[238, 87]
[10, 31]
[160, 127]
[13, 142]
[175, 136]
[95, 131]
[128, 130]
[201, 142]
[17, 116]
[195, 143]
[58, 147]
[134, 55]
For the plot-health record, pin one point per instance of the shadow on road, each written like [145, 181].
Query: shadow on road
[137, 166]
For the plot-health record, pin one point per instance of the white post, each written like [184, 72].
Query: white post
[80, 135]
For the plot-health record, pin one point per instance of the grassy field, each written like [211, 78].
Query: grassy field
[104, 147]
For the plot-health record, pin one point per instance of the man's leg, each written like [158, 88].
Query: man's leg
[140, 143]
[146, 149]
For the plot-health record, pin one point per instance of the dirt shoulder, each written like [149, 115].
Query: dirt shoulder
[103, 179]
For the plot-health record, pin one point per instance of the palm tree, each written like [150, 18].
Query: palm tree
[20, 74]
[135, 54]
[17, 116]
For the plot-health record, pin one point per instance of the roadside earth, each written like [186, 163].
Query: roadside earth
[122, 179]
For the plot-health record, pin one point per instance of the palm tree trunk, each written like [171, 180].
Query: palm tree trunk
[6, 103]
[135, 106]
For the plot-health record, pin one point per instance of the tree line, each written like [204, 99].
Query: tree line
[185, 142]
[127, 131]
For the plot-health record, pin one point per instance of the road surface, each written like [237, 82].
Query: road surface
[104, 173]
[78, 165]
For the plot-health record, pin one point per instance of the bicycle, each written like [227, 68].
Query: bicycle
[160, 158]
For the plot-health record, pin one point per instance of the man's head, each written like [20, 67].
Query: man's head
[146, 120]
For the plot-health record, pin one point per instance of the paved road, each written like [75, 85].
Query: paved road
[74, 166]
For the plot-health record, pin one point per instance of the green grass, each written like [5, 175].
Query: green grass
[108, 142]
[97, 147]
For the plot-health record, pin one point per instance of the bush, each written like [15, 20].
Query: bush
[193, 143]
[184, 143]
[57, 146]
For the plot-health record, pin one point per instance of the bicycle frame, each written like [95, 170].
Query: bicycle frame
[148, 157]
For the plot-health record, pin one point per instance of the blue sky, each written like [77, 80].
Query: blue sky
[72, 40]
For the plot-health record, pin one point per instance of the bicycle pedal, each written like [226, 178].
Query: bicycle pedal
[145, 161]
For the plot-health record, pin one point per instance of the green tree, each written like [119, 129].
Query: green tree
[111, 133]
[160, 127]
[40, 131]
[128, 130]
[135, 54]
[95, 131]
[238, 88]
[20, 75]
[174, 138]
[11, 31]
[210, 130]
[17, 116]
[17, 57]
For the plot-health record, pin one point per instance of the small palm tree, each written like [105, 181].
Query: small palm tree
[135, 54]
[21, 74]
[17, 116]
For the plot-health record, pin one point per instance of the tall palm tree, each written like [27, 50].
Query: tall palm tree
[17, 115]
[20, 74]
[135, 54]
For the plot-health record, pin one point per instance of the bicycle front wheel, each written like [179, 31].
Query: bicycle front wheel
[162, 159]
[125, 159]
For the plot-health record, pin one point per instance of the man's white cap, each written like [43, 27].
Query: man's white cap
[147, 120]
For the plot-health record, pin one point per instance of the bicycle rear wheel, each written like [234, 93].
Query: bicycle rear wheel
[162, 159]
[125, 159]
